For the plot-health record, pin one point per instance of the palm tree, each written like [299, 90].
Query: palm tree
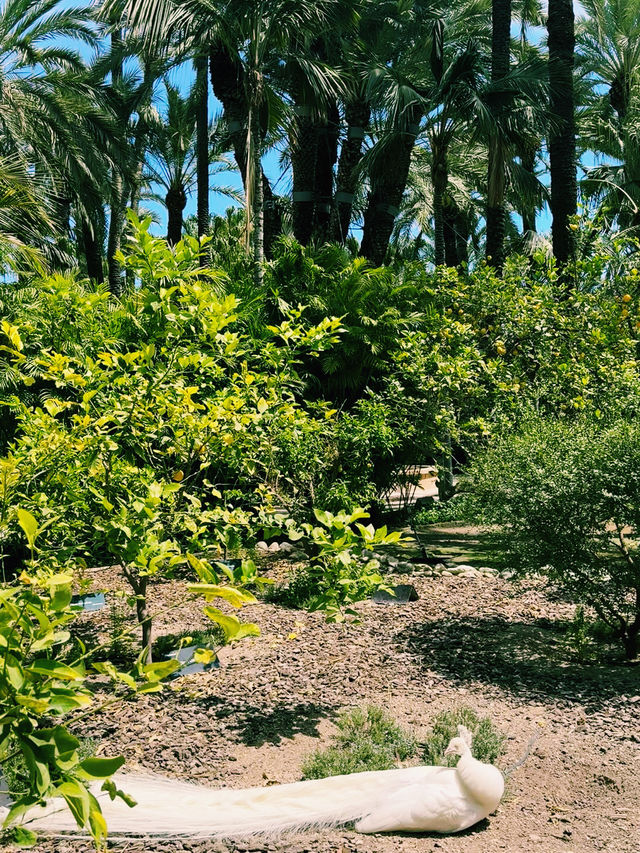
[248, 40]
[500, 60]
[609, 65]
[562, 141]
[172, 161]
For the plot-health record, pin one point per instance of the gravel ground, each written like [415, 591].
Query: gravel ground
[477, 641]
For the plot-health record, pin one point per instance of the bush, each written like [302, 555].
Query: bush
[367, 739]
[487, 741]
[567, 502]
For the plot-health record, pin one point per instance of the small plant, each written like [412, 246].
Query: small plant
[487, 740]
[367, 739]
[441, 512]
[203, 639]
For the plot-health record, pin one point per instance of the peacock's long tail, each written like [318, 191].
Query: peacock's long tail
[168, 807]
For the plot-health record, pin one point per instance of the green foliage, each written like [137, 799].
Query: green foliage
[367, 739]
[488, 742]
[335, 571]
[567, 499]
[37, 690]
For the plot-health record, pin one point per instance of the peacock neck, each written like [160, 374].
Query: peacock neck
[483, 782]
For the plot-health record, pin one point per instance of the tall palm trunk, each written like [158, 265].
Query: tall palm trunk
[92, 250]
[388, 181]
[440, 180]
[202, 146]
[496, 179]
[303, 142]
[118, 195]
[357, 115]
[176, 201]
[326, 158]
[453, 238]
[562, 140]
[527, 208]
[228, 84]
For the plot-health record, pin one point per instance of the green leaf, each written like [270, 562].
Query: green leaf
[235, 597]
[55, 670]
[155, 672]
[29, 525]
[99, 768]
[77, 798]
[23, 837]
[232, 627]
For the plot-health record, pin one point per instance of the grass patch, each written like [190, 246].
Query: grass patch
[367, 739]
[296, 593]
[488, 742]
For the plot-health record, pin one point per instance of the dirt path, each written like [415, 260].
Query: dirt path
[480, 642]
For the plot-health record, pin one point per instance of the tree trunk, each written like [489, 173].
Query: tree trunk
[176, 200]
[326, 158]
[118, 197]
[202, 145]
[562, 140]
[449, 227]
[116, 225]
[258, 222]
[92, 251]
[528, 210]
[144, 618]
[357, 117]
[303, 145]
[227, 81]
[440, 180]
[388, 181]
[496, 178]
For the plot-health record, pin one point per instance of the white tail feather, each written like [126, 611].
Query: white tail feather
[168, 807]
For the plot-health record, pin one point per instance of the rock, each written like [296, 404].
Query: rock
[274, 547]
[447, 573]
[262, 546]
[286, 547]
[404, 592]
[440, 567]
[470, 573]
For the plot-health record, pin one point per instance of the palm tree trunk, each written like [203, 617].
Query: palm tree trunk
[118, 196]
[258, 211]
[116, 225]
[496, 179]
[562, 140]
[440, 180]
[450, 215]
[202, 146]
[496, 215]
[176, 200]
[527, 209]
[326, 158]
[357, 117]
[92, 251]
[388, 181]
[303, 144]
[228, 84]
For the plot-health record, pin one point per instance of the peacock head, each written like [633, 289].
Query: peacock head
[460, 745]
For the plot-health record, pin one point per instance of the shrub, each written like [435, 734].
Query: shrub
[567, 502]
[487, 740]
[367, 739]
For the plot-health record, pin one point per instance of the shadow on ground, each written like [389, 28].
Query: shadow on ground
[520, 657]
[450, 543]
[256, 726]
